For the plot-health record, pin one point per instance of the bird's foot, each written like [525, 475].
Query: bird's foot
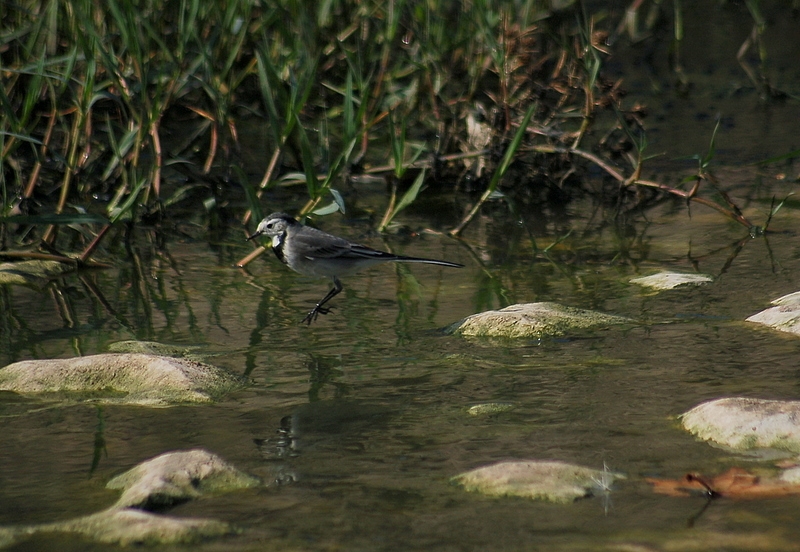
[314, 313]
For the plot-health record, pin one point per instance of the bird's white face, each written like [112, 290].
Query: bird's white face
[274, 228]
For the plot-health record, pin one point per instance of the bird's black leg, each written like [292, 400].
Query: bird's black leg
[318, 308]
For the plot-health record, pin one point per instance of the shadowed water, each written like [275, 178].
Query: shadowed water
[359, 421]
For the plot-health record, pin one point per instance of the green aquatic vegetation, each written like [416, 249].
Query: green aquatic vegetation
[398, 140]
[113, 105]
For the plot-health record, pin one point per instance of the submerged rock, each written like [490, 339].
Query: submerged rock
[35, 273]
[671, 280]
[784, 316]
[156, 484]
[176, 477]
[545, 480]
[533, 320]
[121, 378]
[483, 409]
[744, 424]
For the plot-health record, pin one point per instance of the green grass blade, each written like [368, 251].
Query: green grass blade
[308, 160]
[411, 194]
[784, 156]
[128, 206]
[508, 157]
[711, 147]
[348, 117]
[58, 219]
[250, 193]
[398, 139]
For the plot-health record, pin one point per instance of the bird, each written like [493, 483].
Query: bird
[315, 253]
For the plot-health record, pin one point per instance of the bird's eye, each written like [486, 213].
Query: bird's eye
[269, 225]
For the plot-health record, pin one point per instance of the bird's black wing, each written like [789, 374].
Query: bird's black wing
[320, 245]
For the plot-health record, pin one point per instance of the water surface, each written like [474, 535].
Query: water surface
[359, 421]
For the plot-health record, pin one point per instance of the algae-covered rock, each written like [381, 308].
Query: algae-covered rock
[155, 348]
[156, 484]
[788, 299]
[487, 408]
[784, 316]
[129, 526]
[744, 424]
[35, 273]
[176, 477]
[121, 378]
[545, 480]
[671, 280]
[124, 526]
[791, 475]
[533, 320]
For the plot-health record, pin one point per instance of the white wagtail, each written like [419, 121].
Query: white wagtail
[312, 252]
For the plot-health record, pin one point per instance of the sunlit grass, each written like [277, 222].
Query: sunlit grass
[88, 89]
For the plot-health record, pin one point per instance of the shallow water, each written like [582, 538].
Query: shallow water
[362, 417]
[375, 399]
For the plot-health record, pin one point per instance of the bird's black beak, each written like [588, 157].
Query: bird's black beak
[257, 234]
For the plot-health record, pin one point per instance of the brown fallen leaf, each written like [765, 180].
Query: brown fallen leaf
[735, 483]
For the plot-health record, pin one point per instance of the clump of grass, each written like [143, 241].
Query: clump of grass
[503, 99]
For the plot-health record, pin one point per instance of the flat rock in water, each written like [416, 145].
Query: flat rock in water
[545, 480]
[121, 378]
[156, 484]
[125, 526]
[176, 477]
[533, 320]
[788, 299]
[791, 475]
[784, 316]
[155, 348]
[744, 424]
[35, 273]
[670, 280]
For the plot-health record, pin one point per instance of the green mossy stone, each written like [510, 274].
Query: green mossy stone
[784, 316]
[533, 320]
[744, 424]
[175, 477]
[544, 480]
[126, 527]
[155, 348]
[126, 378]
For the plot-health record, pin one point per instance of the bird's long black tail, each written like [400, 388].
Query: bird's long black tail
[402, 259]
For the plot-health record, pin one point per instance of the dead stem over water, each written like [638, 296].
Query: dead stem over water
[116, 111]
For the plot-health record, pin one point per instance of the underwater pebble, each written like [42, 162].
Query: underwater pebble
[670, 280]
[34, 273]
[490, 408]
